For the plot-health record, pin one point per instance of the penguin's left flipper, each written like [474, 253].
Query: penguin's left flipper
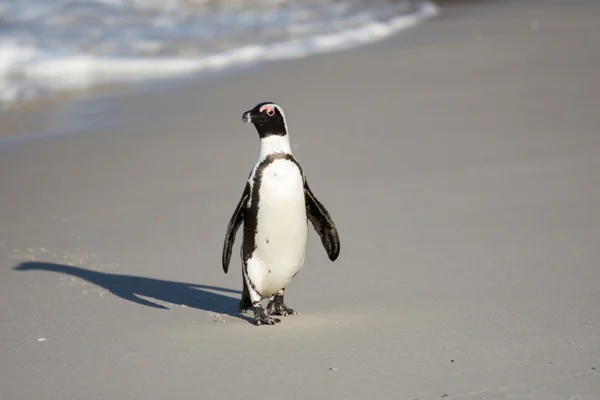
[234, 224]
[323, 223]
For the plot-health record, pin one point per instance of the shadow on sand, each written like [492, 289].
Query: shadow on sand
[203, 297]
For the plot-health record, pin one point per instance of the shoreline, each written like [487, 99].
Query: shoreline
[144, 74]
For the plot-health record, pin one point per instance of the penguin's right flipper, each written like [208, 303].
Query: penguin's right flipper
[234, 224]
[323, 223]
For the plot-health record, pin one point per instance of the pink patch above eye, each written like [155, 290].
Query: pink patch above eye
[270, 110]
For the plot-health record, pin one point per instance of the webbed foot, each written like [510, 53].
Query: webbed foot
[277, 307]
[261, 318]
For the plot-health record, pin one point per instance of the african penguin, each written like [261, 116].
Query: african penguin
[275, 206]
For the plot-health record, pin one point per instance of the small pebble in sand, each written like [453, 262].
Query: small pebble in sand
[333, 369]
[42, 339]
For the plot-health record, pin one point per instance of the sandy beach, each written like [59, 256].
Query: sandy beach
[459, 159]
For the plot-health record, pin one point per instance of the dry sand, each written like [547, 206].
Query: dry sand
[460, 160]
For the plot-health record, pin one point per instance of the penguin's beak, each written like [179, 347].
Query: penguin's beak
[247, 117]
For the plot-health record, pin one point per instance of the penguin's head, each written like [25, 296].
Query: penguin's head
[268, 118]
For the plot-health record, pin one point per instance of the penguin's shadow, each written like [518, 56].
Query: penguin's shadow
[203, 297]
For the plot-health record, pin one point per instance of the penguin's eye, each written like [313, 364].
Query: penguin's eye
[269, 110]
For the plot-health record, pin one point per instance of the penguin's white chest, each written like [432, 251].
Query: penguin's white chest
[281, 232]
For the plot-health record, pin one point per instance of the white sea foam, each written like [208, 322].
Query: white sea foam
[163, 38]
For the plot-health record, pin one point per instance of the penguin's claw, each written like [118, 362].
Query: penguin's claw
[270, 321]
[266, 320]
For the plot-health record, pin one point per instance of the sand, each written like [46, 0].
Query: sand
[459, 160]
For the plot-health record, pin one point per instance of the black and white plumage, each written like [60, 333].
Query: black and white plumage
[275, 207]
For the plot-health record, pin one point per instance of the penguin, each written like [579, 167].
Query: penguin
[275, 208]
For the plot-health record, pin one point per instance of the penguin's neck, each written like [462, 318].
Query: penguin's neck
[274, 144]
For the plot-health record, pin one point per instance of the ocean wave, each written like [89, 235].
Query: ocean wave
[158, 39]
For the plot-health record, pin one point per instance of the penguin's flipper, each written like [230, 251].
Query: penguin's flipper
[322, 222]
[234, 224]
